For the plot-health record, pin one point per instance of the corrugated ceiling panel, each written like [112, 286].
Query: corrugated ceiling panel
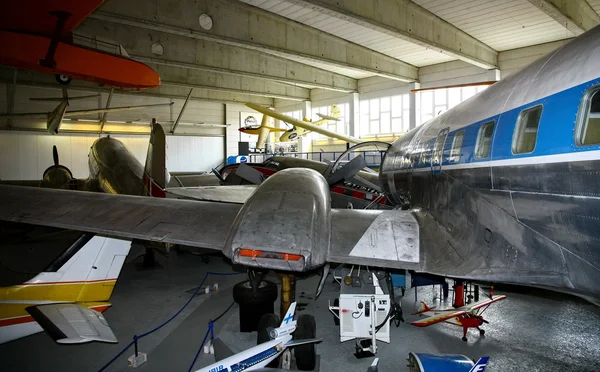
[403, 50]
[503, 25]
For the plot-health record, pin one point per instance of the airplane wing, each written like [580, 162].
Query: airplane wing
[386, 238]
[165, 220]
[302, 124]
[483, 303]
[225, 194]
[34, 16]
[44, 115]
[442, 317]
[72, 323]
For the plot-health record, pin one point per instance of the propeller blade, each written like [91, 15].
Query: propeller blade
[55, 154]
[485, 321]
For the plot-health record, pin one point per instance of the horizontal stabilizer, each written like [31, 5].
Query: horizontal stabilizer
[225, 194]
[303, 342]
[222, 351]
[72, 323]
[327, 117]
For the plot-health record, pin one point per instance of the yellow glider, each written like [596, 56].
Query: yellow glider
[302, 124]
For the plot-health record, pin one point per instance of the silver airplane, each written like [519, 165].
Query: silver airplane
[502, 188]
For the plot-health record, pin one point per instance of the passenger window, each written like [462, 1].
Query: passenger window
[526, 130]
[484, 140]
[456, 150]
[590, 125]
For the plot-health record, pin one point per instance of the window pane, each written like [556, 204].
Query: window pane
[484, 140]
[374, 127]
[454, 97]
[526, 130]
[396, 106]
[426, 102]
[385, 122]
[591, 129]
[374, 108]
[468, 92]
[457, 147]
[440, 96]
[364, 107]
[385, 104]
[397, 125]
[405, 103]
[406, 121]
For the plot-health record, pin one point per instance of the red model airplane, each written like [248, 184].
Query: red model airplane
[467, 316]
[36, 35]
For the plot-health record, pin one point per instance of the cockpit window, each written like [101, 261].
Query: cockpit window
[484, 140]
[589, 124]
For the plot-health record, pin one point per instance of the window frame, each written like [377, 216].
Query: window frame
[583, 115]
[460, 133]
[520, 129]
[479, 136]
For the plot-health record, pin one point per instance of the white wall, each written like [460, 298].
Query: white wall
[25, 155]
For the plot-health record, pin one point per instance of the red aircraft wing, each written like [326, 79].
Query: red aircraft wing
[442, 317]
[35, 16]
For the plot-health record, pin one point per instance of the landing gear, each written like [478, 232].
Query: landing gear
[63, 79]
[266, 322]
[481, 331]
[288, 292]
[464, 339]
[255, 299]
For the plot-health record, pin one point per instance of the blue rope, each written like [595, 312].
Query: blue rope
[209, 330]
[135, 338]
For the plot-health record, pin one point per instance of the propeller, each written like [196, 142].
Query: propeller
[57, 176]
[55, 154]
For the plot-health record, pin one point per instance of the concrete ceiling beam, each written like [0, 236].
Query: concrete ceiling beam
[240, 25]
[179, 51]
[576, 16]
[408, 21]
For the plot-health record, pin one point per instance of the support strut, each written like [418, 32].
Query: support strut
[61, 19]
[288, 292]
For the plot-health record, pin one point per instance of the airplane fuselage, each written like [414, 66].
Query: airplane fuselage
[255, 357]
[489, 210]
[114, 169]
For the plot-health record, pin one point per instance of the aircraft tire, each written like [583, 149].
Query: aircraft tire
[243, 294]
[63, 79]
[306, 356]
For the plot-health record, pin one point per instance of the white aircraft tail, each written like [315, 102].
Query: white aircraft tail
[67, 298]
[289, 316]
[156, 175]
[480, 365]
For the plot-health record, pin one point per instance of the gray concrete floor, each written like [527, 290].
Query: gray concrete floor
[530, 331]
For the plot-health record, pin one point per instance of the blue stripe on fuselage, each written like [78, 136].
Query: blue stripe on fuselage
[556, 132]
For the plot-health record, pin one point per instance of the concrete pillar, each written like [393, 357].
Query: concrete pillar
[412, 102]
[354, 110]
[493, 75]
[305, 142]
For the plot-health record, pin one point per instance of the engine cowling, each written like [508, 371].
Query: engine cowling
[285, 224]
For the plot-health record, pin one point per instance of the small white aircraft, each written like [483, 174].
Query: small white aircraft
[257, 357]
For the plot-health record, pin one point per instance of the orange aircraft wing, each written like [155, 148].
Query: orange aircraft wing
[35, 16]
[480, 304]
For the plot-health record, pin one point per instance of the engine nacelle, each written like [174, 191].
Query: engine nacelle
[285, 224]
[281, 331]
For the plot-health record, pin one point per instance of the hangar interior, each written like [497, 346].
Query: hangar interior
[389, 66]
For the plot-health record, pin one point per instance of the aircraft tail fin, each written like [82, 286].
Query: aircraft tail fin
[289, 316]
[480, 365]
[156, 175]
[55, 117]
[423, 309]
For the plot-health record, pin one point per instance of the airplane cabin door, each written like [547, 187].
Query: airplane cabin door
[438, 151]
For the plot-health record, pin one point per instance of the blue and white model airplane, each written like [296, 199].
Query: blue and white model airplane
[257, 357]
[444, 363]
